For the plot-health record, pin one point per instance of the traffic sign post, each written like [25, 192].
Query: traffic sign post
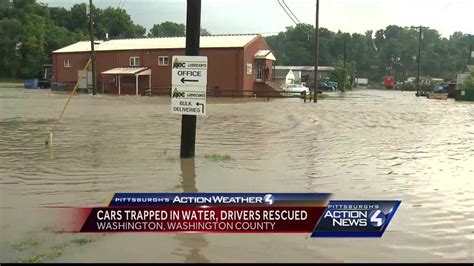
[188, 123]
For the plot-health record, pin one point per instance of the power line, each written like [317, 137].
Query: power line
[287, 13]
[283, 1]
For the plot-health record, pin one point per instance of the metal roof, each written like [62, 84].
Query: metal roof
[124, 71]
[281, 73]
[215, 41]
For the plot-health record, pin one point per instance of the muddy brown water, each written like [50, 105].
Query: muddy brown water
[363, 145]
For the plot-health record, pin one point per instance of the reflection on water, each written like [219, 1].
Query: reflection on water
[188, 174]
[365, 145]
[193, 243]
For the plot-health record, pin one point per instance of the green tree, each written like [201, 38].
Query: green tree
[171, 29]
[389, 51]
[117, 23]
[9, 55]
[32, 45]
[167, 29]
[344, 74]
[79, 20]
[468, 83]
[205, 32]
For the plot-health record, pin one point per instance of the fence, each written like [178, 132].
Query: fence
[234, 93]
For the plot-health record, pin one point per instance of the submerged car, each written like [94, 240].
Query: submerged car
[325, 87]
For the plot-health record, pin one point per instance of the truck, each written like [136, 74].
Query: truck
[44, 81]
[388, 82]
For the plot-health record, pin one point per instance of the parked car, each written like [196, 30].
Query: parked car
[295, 88]
[441, 88]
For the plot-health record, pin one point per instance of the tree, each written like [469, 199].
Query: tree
[468, 83]
[79, 20]
[388, 51]
[167, 29]
[9, 57]
[117, 23]
[205, 32]
[32, 46]
[344, 75]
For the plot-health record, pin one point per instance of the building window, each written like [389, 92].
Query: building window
[134, 61]
[67, 63]
[163, 60]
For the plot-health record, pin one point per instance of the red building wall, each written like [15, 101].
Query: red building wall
[258, 44]
[226, 68]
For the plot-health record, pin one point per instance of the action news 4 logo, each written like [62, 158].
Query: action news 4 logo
[377, 218]
[355, 218]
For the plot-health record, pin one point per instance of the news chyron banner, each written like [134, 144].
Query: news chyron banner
[311, 213]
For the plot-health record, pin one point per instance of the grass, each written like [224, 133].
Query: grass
[81, 241]
[54, 252]
[27, 244]
[219, 157]
[167, 157]
[10, 80]
[31, 249]
[323, 96]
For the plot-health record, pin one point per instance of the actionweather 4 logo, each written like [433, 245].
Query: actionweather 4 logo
[355, 218]
[269, 199]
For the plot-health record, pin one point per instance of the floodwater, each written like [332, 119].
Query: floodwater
[366, 144]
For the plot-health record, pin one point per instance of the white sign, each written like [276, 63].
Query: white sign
[188, 93]
[189, 83]
[188, 106]
[249, 68]
[189, 71]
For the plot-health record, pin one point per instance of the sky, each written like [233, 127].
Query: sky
[267, 17]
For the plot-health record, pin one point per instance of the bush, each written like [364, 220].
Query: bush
[468, 83]
[408, 86]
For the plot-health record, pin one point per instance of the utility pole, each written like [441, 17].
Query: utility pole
[193, 32]
[316, 53]
[419, 61]
[345, 51]
[91, 24]
[470, 54]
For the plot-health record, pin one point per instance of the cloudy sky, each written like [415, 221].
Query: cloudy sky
[267, 17]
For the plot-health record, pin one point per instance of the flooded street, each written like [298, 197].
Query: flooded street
[364, 145]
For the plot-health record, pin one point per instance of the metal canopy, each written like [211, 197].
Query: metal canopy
[125, 71]
[265, 54]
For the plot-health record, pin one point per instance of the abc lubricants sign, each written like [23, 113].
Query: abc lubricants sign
[188, 82]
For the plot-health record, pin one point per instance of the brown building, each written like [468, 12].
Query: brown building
[236, 63]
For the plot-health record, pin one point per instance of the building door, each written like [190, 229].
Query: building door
[260, 68]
